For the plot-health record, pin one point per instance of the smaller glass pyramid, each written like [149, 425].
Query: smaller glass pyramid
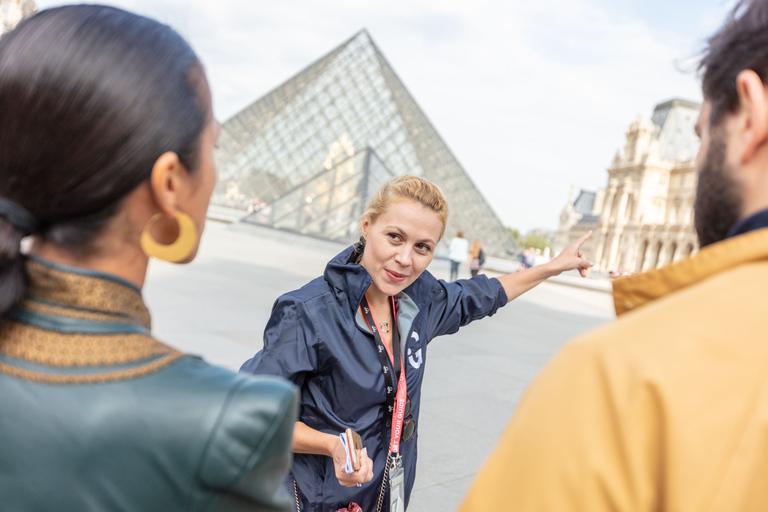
[329, 204]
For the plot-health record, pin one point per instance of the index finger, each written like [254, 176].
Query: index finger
[583, 238]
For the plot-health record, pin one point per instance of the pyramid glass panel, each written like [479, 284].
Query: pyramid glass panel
[282, 149]
[330, 204]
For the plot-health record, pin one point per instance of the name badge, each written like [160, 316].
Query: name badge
[397, 486]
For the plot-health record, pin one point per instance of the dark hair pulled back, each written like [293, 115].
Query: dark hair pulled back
[90, 97]
[741, 43]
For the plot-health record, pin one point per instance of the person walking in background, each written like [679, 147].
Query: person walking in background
[457, 253]
[527, 259]
[355, 341]
[666, 408]
[476, 258]
[106, 159]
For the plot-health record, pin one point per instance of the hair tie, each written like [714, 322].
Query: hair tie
[18, 217]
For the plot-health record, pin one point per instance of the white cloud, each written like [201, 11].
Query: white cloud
[530, 96]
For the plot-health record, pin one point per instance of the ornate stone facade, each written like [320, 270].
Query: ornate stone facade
[13, 11]
[643, 218]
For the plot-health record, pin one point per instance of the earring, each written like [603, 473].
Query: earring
[178, 250]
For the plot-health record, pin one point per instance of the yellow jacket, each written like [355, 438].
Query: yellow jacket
[665, 409]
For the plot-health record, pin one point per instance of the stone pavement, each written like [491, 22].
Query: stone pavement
[218, 305]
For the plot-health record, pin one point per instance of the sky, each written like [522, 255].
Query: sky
[532, 97]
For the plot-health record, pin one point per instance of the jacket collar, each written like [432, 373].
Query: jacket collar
[751, 223]
[73, 293]
[634, 291]
[76, 326]
[344, 274]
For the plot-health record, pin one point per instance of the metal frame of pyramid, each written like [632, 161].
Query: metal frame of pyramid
[328, 205]
[348, 102]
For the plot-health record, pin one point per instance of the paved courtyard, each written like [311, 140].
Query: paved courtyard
[218, 305]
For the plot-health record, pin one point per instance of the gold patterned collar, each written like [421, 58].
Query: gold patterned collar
[79, 326]
[84, 293]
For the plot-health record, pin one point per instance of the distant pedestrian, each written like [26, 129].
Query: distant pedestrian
[476, 258]
[457, 252]
[527, 258]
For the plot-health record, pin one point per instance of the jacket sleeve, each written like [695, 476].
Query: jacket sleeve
[290, 343]
[585, 438]
[248, 453]
[464, 301]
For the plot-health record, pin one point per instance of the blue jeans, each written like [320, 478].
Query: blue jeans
[455, 270]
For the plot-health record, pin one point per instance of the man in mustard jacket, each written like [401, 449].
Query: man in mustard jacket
[666, 409]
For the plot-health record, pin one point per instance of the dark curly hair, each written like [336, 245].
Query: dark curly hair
[741, 43]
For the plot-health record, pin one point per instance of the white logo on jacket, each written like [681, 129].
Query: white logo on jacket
[415, 358]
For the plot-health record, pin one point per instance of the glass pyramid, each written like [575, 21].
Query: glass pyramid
[344, 110]
[329, 204]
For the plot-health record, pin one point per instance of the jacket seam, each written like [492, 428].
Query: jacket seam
[285, 402]
[305, 312]
[209, 442]
[266, 438]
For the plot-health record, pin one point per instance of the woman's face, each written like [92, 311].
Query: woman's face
[400, 245]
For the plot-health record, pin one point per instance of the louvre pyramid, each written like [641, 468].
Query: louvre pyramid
[330, 204]
[348, 102]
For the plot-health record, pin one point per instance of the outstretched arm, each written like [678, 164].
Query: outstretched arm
[570, 259]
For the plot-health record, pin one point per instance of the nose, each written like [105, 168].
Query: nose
[404, 256]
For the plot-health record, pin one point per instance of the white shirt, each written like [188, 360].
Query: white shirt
[459, 249]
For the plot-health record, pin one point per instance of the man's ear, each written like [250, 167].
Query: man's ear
[753, 105]
[165, 182]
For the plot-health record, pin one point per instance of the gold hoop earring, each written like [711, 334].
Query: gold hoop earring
[178, 250]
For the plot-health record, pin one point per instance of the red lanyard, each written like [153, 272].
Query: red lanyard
[396, 402]
[397, 414]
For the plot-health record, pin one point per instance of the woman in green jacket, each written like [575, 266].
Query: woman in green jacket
[106, 160]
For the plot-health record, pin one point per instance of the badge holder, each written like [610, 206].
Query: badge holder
[397, 485]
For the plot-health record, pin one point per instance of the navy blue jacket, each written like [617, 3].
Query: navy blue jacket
[317, 339]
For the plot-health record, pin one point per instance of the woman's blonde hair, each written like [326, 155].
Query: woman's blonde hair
[475, 251]
[402, 188]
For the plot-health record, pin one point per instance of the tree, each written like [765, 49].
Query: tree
[535, 240]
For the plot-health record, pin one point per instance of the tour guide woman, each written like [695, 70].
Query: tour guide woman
[106, 148]
[355, 342]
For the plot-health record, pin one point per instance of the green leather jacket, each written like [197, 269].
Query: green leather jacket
[96, 415]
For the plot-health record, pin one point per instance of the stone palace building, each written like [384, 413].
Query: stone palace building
[13, 11]
[643, 218]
